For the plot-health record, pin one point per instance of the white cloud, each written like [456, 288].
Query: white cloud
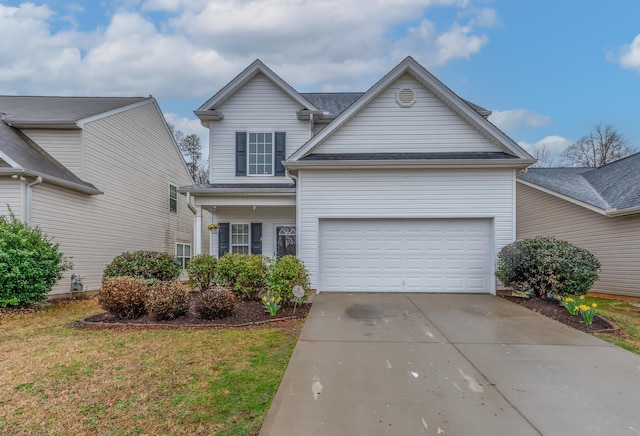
[630, 57]
[550, 148]
[511, 119]
[198, 45]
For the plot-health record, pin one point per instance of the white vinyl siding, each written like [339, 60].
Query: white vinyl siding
[64, 145]
[614, 240]
[11, 197]
[259, 106]
[406, 255]
[451, 193]
[132, 159]
[427, 126]
[270, 217]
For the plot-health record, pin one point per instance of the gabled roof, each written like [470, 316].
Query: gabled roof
[208, 111]
[24, 156]
[65, 112]
[333, 103]
[472, 114]
[612, 189]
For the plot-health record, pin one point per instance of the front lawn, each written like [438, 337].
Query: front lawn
[626, 315]
[56, 379]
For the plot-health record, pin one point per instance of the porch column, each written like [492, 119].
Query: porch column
[197, 231]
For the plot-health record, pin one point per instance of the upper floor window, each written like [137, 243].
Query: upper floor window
[260, 154]
[173, 198]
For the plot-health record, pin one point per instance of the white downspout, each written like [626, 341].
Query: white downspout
[30, 186]
[197, 226]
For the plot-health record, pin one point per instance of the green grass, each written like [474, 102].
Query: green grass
[626, 315]
[60, 380]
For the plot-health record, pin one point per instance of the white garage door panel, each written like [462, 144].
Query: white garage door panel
[406, 255]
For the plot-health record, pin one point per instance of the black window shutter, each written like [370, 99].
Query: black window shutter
[280, 153]
[256, 238]
[241, 153]
[223, 239]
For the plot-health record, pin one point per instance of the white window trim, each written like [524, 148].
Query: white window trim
[231, 245]
[170, 198]
[273, 153]
[184, 244]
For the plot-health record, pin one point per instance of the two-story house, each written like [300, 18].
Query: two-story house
[98, 174]
[406, 187]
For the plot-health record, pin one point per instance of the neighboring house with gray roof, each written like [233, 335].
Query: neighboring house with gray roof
[594, 208]
[98, 174]
[403, 188]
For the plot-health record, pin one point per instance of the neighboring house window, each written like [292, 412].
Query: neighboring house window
[173, 198]
[183, 254]
[260, 154]
[240, 241]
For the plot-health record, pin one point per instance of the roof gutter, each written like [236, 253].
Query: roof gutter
[236, 191]
[622, 212]
[52, 124]
[409, 163]
[55, 180]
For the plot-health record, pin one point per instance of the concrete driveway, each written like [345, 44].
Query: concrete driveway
[437, 364]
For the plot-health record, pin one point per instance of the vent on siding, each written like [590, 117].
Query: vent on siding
[406, 97]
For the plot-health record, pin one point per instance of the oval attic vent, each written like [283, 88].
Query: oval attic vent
[406, 97]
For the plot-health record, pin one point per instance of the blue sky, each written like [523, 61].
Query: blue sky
[549, 70]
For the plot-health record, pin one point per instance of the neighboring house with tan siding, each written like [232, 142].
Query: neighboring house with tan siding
[403, 188]
[98, 174]
[597, 209]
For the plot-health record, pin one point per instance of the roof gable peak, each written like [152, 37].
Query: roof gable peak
[255, 68]
[410, 66]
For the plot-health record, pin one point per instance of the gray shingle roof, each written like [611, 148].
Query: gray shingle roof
[31, 157]
[332, 102]
[52, 110]
[407, 156]
[612, 186]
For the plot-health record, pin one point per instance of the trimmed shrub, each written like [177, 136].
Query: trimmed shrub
[545, 265]
[201, 270]
[244, 274]
[30, 263]
[148, 265]
[285, 273]
[216, 302]
[168, 300]
[123, 297]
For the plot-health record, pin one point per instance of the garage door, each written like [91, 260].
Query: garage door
[406, 255]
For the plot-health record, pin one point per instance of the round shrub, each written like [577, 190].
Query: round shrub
[216, 302]
[285, 273]
[30, 263]
[201, 270]
[545, 265]
[244, 274]
[124, 297]
[150, 265]
[168, 300]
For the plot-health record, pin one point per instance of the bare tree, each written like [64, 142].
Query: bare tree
[545, 160]
[604, 144]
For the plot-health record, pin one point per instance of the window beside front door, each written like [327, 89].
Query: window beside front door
[240, 241]
[260, 154]
[285, 240]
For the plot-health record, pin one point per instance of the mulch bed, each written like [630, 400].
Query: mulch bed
[551, 309]
[247, 313]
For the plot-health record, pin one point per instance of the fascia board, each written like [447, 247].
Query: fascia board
[53, 180]
[410, 163]
[563, 197]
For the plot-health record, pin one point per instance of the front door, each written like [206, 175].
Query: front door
[285, 240]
